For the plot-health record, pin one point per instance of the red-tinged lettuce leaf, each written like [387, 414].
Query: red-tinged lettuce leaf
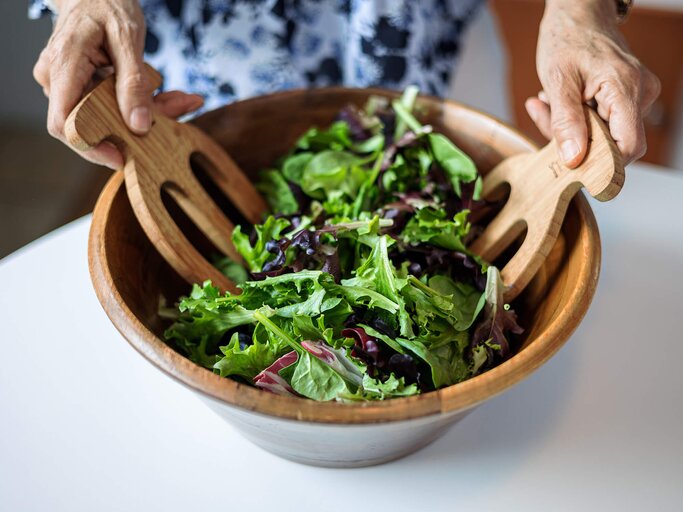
[312, 377]
[499, 321]
[335, 359]
[270, 378]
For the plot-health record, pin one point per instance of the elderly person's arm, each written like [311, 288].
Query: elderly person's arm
[91, 38]
[581, 56]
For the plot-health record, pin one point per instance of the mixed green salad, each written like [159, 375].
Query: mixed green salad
[360, 286]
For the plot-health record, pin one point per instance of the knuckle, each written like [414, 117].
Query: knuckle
[565, 122]
[134, 82]
[127, 30]
[38, 74]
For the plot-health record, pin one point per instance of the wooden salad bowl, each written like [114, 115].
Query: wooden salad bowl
[130, 277]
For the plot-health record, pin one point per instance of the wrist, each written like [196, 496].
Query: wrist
[55, 5]
[587, 11]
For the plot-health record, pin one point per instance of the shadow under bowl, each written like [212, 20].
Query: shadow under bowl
[129, 276]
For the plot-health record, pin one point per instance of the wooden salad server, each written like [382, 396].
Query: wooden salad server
[540, 190]
[160, 161]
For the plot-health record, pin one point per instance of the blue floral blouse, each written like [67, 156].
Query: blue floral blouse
[231, 49]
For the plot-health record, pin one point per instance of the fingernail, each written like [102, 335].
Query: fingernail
[141, 119]
[568, 150]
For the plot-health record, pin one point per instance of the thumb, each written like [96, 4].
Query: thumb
[568, 121]
[133, 88]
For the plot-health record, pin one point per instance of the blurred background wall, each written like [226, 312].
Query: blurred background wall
[43, 185]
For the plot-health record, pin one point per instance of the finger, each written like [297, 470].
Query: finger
[105, 154]
[539, 112]
[177, 103]
[41, 72]
[543, 96]
[68, 78]
[652, 87]
[625, 121]
[568, 121]
[133, 90]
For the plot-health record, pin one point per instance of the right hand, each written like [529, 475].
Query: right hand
[91, 39]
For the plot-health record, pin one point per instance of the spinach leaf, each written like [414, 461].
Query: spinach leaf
[456, 164]
[314, 379]
[330, 174]
[293, 167]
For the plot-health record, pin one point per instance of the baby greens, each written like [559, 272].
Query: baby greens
[361, 286]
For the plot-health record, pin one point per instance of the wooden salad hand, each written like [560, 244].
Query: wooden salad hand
[160, 161]
[540, 190]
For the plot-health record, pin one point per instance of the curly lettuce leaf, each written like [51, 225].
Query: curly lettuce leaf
[376, 389]
[257, 254]
[249, 361]
[431, 225]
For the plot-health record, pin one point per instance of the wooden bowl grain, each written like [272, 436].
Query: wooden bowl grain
[129, 276]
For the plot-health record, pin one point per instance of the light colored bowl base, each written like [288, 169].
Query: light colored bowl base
[335, 445]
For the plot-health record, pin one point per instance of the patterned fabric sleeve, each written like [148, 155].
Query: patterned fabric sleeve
[38, 8]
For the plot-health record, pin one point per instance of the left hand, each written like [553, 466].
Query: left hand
[581, 56]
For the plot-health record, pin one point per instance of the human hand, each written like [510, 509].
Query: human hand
[581, 57]
[90, 40]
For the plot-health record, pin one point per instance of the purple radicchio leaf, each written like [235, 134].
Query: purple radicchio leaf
[407, 139]
[335, 359]
[366, 348]
[381, 360]
[313, 254]
[427, 259]
[271, 380]
[400, 211]
[498, 322]
[354, 119]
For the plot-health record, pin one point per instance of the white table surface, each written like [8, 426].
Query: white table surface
[87, 424]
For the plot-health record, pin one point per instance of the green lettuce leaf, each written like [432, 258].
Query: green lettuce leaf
[275, 189]
[430, 225]
[251, 360]
[232, 270]
[293, 166]
[456, 164]
[332, 174]
[336, 137]
[375, 389]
